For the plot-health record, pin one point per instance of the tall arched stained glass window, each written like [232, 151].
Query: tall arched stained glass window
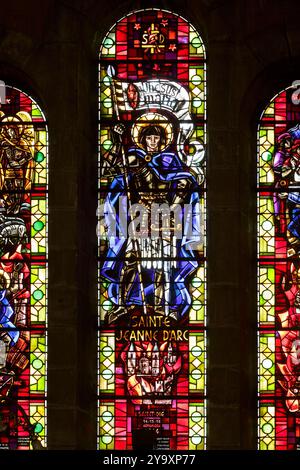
[152, 136]
[279, 272]
[23, 271]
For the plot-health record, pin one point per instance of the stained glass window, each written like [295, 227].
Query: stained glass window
[279, 273]
[23, 271]
[152, 266]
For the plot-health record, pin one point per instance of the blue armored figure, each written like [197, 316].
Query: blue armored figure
[10, 333]
[152, 269]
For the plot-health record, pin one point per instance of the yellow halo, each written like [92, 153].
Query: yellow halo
[25, 139]
[152, 118]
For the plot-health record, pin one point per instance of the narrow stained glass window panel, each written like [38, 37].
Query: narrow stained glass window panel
[279, 273]
[23, 271]
[152, 265]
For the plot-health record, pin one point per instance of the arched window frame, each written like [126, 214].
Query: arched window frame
[108, 433]
[278, 425]
[24, 265]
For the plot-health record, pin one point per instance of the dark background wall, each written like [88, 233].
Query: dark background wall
[49, 49]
